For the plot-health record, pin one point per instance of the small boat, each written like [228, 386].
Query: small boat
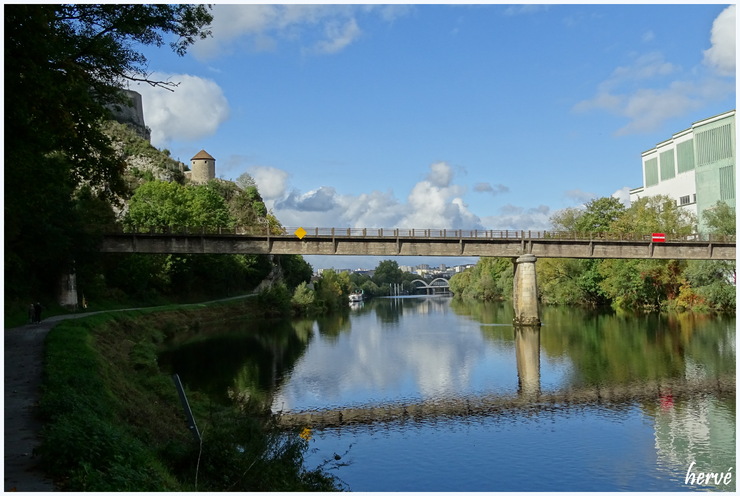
[357, 296]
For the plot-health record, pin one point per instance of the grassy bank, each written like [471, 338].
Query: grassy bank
[113, 420]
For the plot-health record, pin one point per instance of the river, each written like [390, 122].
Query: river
[437, 394]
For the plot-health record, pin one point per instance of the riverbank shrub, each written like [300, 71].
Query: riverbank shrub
[113, 420]
[490, 279]
[329, 294]
[275, 299]
[644, 285]
[303, 300]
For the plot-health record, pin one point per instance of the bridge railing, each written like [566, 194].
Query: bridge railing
[452, 234]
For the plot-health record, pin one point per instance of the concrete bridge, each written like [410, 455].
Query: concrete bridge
[523, 247]
[433, 285]
[417, 242]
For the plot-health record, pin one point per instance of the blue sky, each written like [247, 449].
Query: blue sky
[440, 116]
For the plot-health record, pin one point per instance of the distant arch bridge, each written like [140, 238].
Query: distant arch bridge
[434, 286]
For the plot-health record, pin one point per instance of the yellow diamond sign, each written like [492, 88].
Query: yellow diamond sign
[300, 232]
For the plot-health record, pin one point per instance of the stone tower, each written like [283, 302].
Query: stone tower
[202, 167]
[131, 113]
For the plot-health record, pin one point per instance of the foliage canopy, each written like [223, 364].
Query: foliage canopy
[64, 67]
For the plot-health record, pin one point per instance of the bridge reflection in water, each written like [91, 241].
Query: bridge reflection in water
[529, 395]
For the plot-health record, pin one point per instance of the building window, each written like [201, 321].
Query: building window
[651, 172]
[684, 200]
[667, 165]
[685, 156]
[727, 183]
[714, 144]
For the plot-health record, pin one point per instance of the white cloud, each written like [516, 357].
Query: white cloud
[524, 9]
[623, 195]
[317, 29]
[318, 200]
[375, 209]
[271, 182]
[440, 175]
[435, 202]
[644, 95]
[338, 36]
[721, 55]
[195, 109]
[487, 188]
[579, 196]
[647, 66]
[516, 218]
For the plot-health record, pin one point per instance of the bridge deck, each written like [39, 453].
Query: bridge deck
[418, 242]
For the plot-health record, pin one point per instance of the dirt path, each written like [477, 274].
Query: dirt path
[24, 359]
[24, 352]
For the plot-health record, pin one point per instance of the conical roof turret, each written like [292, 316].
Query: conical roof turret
[202, 155]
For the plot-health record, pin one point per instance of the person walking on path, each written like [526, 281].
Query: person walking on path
[37, 312]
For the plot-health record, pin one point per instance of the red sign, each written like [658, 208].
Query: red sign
[658, 238]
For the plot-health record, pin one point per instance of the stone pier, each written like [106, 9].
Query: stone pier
[526, 303]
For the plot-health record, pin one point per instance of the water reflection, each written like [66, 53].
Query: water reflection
[528, 360]
[698, 429]
[415, 350]
[238, 361]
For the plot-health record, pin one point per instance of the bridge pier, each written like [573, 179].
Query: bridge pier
[526, 303]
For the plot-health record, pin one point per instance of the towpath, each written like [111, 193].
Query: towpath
[24, 359]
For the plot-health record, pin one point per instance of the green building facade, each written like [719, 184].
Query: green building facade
[714, 154]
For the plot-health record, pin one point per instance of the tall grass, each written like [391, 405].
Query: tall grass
[113, 421]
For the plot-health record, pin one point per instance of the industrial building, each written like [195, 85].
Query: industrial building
[695, 167]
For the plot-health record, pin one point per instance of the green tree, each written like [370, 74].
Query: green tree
[162, 203]
[387, 272]
[596, 216]
[566, 219]
[710, 284]
[332, 290]
[720, 219]
[655, 214]
[304, 299]
[63, 65]
[245, 181]
[295, 269]
[490, 279]
[244, 201]
[647, 284]
[247, 207]
[570, 282]
[577, 282]
[460, 282]
[207, 207]
[600, 214]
